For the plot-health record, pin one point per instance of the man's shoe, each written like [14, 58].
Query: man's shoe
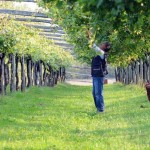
[100, 111]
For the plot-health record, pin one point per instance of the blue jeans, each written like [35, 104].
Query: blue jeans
[98, 93]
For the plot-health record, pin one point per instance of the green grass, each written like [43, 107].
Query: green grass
[64, 118]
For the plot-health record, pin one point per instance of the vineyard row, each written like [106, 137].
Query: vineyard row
[21, 72]
[137, 72]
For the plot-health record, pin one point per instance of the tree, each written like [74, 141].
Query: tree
[124, 23]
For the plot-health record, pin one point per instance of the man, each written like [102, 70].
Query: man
[98, 71]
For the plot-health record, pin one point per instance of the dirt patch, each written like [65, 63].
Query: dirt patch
[86, 82]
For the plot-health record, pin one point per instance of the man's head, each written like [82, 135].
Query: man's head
[105, 46]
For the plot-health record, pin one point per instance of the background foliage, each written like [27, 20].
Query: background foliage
[16, 38]
[126, 24]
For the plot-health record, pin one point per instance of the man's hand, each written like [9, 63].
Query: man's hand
[105, 72]
[90, 43]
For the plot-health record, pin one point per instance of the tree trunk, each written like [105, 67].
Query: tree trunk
[63, 74]
[129, 74]
[141, 71]
[124, 75]
[40, 73]
[148, 72]
[51, 77]
[6, 75]
[29, 72]
[137, 71]
[60, 73]
[57, 77]
[145, 72]
[23, 85]
[35, 74]
[44, 74]
[54, 77]
[2, 78]
[17, 76]
[13, 74]
[121, 74]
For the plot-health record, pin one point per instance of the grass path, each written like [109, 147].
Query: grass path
[64, 118]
